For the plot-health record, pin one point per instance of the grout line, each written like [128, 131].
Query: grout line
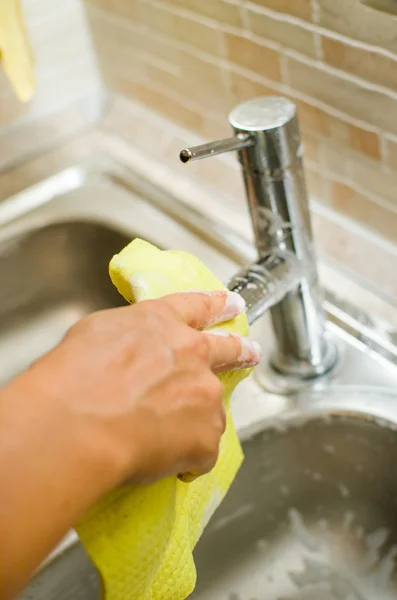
[284, 68]
[318, 47]
[196, 17]
[349, 77]
[244, 18]
[321, 30]
[315, 11]
[384, 150]
[354, 226]
[179, 98]
[351, 183]
[277, 86]
[160, 63]
[390, 137]
[307, 99]
[219, 62]
[260, 41]
[293, 54]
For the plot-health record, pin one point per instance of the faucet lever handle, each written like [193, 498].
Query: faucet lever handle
[237, 142]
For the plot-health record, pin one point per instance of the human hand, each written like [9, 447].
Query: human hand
[139, 383]
[130, 394]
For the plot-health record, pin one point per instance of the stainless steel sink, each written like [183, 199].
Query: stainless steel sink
[313, 513]
[51, 277]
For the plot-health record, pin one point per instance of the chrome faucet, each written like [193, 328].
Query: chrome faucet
[284, 279]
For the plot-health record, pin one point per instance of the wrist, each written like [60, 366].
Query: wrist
[68, 445]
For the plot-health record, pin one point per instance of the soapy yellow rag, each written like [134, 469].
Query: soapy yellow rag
[15, 52]
[141, 539]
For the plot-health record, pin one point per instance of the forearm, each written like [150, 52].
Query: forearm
[51, 470]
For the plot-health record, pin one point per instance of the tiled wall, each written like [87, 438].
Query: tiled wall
[192, 60]
[68, 83]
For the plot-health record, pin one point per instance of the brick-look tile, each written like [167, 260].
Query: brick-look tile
[372, 107]
[297, 8]
[178, 112]
[386, 6]
[252, 56]
[317, 184]
[374, 67]
[244, 88]
[158, 20]
[115, 37]
[363, 210]
[124, 50]
[310, 146]
[366, 174]
[317, 121]
[216, 128]
[391, 153]
[370, 261]
[353, 19]
[202, 81]
[130, 9]
[194, 33]
[287, 34]
[161, 75]
[372, 176]
[333, 156]
[220, 11]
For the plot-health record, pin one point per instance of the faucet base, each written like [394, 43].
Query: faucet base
[302, 369]
[275, 375]
[282, 384]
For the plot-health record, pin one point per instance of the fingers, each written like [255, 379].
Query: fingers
[203, 469]
[229, 352]
[204, 309]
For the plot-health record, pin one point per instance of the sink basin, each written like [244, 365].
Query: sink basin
[312, 516]
[51, 277]
[313, 512]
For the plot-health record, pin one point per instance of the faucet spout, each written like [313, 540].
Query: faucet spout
[238, 142]
[266, 282]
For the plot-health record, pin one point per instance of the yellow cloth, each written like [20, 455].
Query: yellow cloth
[15, 52]
[141, 539]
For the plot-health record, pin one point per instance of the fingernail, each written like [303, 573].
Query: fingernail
[234, 305]
[220, 332]
[251, 352]
[187, 477]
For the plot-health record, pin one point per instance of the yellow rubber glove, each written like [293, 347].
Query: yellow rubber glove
[15, 51]
[141, 539]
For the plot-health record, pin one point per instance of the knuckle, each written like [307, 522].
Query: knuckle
[210, 309]
[163, 309]
[191, 346]
[207, 303]
[153, 316]
[203, 315]
[236, 344]
[202, 345]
